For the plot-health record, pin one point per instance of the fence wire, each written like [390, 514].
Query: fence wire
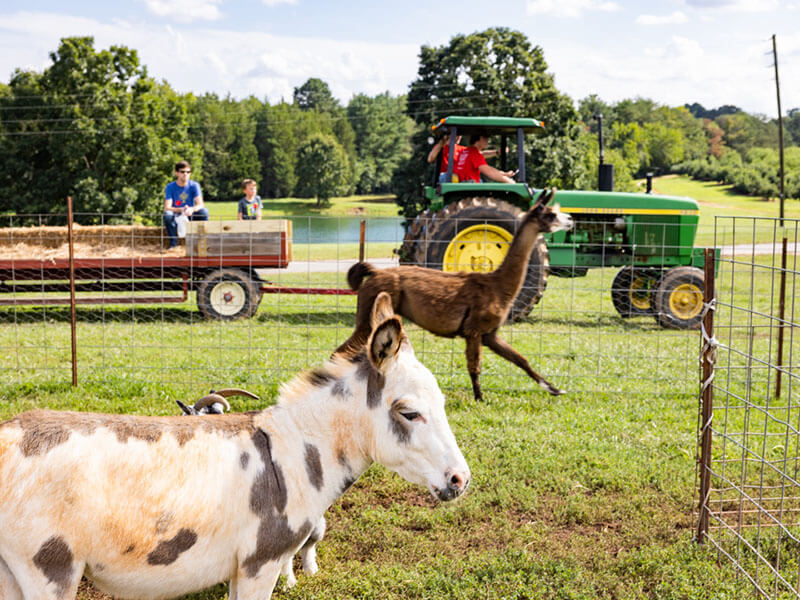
[753, 504]
[149, 320]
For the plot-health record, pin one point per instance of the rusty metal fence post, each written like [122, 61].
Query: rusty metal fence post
[707, 359]
[72, 311]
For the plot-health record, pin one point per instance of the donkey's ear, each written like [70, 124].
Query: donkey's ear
[381, 309]
[385, 342]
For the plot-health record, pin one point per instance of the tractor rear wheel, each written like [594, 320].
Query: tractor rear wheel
[474, 234]
[678, 298]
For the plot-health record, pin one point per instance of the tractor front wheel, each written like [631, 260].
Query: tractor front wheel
[678, 298]
[632, 291]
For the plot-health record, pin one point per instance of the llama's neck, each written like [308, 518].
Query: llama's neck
[511, 272]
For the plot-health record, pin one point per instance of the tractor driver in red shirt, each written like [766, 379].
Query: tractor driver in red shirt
[471, 164]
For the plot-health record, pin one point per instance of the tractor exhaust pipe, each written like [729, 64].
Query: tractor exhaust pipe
[605, 175]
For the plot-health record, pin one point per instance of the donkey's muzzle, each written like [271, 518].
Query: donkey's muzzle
[456, 484]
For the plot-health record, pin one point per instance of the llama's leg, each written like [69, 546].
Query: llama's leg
[502, 348]
[473, 353]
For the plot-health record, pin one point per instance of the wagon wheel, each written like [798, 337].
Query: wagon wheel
[679, 298]
[228, 294]
[632, 291]
[474, 234]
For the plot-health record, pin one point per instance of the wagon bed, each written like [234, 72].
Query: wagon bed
[220, 266]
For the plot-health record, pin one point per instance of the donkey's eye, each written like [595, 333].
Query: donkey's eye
[411, 416]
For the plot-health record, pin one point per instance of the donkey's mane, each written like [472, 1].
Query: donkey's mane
[310, 381]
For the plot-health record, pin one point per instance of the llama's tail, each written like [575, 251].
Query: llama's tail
[357, 273]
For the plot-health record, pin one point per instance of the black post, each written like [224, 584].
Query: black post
[649, 188]
[450, 162]
[605, 173]
[599, 118]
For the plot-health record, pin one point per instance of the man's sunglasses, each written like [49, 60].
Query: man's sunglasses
[184, 171]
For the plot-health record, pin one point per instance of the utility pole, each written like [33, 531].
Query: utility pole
[782, 299]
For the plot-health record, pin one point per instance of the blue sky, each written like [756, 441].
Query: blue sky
[673, 51]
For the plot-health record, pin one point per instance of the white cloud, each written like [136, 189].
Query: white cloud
[193, 59]
[568, 8]
[185, 11]
[736, 5]
[277, 2]
[671, 19]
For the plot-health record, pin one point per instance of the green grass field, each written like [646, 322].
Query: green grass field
[348, 206]
[717, 200]
[587, 495]
[583, 496]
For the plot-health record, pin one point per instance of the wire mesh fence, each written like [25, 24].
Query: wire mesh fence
[147, 316]
[752, 504]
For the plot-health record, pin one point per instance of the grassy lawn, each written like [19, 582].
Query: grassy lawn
[348, 206]
[718, 200]
[588, 495]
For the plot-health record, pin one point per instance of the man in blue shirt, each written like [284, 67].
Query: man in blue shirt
[182, 197]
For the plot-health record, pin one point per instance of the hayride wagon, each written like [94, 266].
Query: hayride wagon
[129, 265]
[469, 227]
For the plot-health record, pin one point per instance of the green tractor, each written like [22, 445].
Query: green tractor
[469, 226]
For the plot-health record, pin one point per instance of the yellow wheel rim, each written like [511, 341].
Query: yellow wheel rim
[639, 293]
[686, 301]
[477, 248]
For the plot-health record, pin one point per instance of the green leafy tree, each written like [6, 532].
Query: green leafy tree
[664, 146]
[92, 125]
[315, 94]
[322, 169]
[590, 107]
[744, 131]
[280, 131]
[225, 130]
[493, 72]
[382, 133]
[791, 125]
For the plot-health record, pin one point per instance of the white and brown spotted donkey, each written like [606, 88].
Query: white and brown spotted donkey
[158, 507]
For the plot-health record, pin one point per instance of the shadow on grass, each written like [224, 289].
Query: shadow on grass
[168, 315]
[304, 318]
[603, 321]
[61, 314]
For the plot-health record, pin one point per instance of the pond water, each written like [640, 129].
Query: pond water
[338, 230]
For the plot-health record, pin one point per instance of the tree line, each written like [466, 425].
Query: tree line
[95, 125]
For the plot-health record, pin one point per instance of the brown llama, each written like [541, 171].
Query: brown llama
[470, 305]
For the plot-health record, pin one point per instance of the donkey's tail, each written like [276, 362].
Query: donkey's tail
[357, 273]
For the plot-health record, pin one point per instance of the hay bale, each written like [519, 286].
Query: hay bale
[93, 241]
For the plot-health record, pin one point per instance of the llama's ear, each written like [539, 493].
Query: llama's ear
[385, 342]
[546, 197]
[381, 309]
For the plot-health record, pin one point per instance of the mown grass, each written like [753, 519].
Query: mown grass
[368, 205]
[587, 495]
[718, 200]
